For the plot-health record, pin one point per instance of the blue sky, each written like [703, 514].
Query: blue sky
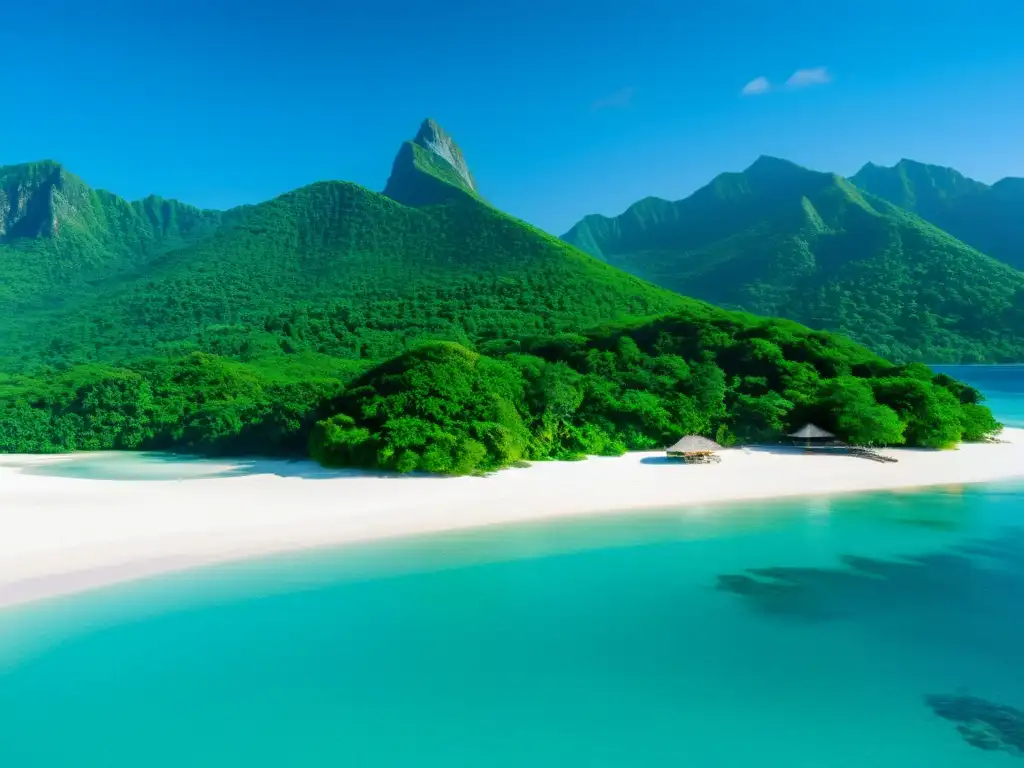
[561, 108]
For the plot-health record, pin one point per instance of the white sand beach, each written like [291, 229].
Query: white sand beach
[60, 535]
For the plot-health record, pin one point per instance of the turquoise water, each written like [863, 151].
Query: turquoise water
[805, 633]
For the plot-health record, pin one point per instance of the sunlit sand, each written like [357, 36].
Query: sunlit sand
[61, 534]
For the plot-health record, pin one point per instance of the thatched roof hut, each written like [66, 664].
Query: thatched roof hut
[813, 436]
[694, 447]
[811, 432]
[695, 444]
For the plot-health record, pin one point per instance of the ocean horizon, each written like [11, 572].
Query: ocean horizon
[879, 629]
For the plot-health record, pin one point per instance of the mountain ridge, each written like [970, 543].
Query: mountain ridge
[58, 235]
[922, 188]
[987, 217]
[778, 239]
[33, 187]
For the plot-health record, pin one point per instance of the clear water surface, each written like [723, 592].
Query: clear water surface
[804, 633]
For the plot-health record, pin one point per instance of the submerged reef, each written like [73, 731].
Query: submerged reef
[981, 581]
[983, 724]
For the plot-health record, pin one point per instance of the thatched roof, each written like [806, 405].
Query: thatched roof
[694, 444]
[811, 432]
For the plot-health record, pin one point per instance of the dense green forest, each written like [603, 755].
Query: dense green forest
[418, 330]
[58, 237]
[989, 218]
[336, 269]
[779, 239]
[443, 407]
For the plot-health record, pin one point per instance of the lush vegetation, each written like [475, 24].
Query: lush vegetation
[445, 408]
[778, 239]
[430, 332]
[442, 407]
[198, 403]
[59, 238]
[985, 217]
[335, 269]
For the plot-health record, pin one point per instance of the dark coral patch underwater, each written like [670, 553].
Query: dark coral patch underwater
[983, 724]
[966, 598]
[980, 580]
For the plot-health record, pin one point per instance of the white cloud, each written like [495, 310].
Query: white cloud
[618, 100]
[805, 77]
[756, 86]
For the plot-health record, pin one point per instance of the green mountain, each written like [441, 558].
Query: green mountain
[330, 268]
[59, 237]
[778, 239]
[930, 191]
[989, 218]
[420, 329]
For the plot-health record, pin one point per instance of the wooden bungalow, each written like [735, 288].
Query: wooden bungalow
[812, 436]
[694, 449]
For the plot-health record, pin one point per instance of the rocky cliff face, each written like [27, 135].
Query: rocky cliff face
[38, 199]
[43, 200]
[430, 170]
[433, 137]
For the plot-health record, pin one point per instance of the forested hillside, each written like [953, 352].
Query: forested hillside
[442, 407]
[60, 239]
[989, 218]
[778, 239]
[336, 269]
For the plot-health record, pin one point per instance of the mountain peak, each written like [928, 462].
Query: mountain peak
[433, 137]
[430, 127]
[772, 160]
[772, 175]
[1011, 185]
[38, 199]
[907, 166]
[39, 172]
[430, 169]
[767, 164]
[925, 189]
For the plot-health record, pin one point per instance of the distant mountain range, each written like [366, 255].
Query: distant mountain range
[904, 259]
[865, 257]
[990, 218]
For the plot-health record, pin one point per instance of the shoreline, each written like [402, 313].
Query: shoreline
[64, 535]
